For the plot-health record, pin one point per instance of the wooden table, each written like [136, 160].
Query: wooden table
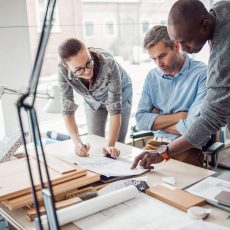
[185, 175]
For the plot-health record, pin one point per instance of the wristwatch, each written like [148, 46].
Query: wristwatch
[163, 151]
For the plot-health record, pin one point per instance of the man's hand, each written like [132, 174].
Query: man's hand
[183, 115]
[155, 110]
[82, 149]
[146, 158]
[111, 151]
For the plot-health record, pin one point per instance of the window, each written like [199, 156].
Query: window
[145, 27]
[40, 10]
[89, 28]
[110, 28]
[163, 22]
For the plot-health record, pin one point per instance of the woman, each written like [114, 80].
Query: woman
[106, 88]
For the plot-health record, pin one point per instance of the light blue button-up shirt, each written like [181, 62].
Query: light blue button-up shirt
[184, 92]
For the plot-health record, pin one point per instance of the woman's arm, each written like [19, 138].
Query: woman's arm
[114, 128]
[71, 125]
[68, 109]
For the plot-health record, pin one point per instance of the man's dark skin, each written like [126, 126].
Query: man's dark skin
[190, 24]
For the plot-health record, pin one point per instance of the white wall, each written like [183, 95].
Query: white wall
[15, 58]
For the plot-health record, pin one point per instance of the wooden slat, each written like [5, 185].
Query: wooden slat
[27, 199]
[14, 178]
[58, 165]
[31, 213]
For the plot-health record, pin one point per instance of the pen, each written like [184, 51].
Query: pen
[109, 156]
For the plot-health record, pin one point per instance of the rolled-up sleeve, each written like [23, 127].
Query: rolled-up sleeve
[114, 101]
[194, 112]
[66, 94]
[144, 117]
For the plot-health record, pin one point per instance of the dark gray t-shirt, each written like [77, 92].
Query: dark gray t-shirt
[112, 88]
[215, 112]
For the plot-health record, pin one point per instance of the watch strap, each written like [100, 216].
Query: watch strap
[166, 156]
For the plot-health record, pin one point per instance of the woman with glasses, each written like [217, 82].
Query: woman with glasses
[106, 88]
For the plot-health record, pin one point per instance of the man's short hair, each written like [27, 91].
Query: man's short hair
[155, 35]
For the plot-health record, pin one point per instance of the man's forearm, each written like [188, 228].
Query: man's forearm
[114, 128]
[164, 121]
[172, 129]
[179, 145]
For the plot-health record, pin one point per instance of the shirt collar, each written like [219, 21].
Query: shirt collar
[183, 70]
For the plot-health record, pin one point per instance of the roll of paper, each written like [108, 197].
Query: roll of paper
[88, 207]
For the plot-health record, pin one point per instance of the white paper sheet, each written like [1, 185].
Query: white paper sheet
[201, 225]
[143, 212]
[88, 207]
[108, 167]
[119, 185]
[209, 188]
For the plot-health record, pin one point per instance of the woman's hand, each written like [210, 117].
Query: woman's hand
[111, 151]
[82, 149]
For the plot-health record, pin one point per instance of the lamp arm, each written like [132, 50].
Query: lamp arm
[5, 90]
[24, 104]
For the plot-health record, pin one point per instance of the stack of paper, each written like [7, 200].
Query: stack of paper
[108, 167]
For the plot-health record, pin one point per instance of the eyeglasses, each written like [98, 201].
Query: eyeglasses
[81, 70]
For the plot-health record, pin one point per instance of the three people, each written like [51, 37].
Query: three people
[106, 88]
[172, 94]
[190, 24]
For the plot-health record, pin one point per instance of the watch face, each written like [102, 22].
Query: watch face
[162, 149]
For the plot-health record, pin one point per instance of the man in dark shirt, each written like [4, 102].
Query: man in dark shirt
[192, 25]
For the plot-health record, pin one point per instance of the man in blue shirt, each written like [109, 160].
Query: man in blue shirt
[172, 95]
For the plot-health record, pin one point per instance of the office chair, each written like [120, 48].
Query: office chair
[211, 152]
[211, 149]
[136, 134]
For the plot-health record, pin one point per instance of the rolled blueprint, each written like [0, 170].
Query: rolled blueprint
[88, 207]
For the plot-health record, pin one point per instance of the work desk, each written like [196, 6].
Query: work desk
[185, 175]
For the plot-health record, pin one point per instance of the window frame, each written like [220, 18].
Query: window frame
[84, 28]
[114, 28]
[41, 11]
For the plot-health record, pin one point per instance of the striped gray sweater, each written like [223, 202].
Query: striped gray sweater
[215, 112]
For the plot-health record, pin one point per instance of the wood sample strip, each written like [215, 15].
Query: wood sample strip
[27, 199]
[16, 171]
[31, 213]
[58, 165]
[175, 197]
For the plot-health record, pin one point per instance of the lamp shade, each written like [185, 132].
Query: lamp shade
[54, 103]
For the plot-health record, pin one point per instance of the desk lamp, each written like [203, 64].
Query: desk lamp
[51, 94]
[26, 103]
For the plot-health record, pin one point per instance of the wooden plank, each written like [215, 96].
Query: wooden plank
[58, 165]
[16, 171]
[27, 199]
[31, 213]
[176, 197]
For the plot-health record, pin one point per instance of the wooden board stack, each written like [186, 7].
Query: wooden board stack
[15, 187]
